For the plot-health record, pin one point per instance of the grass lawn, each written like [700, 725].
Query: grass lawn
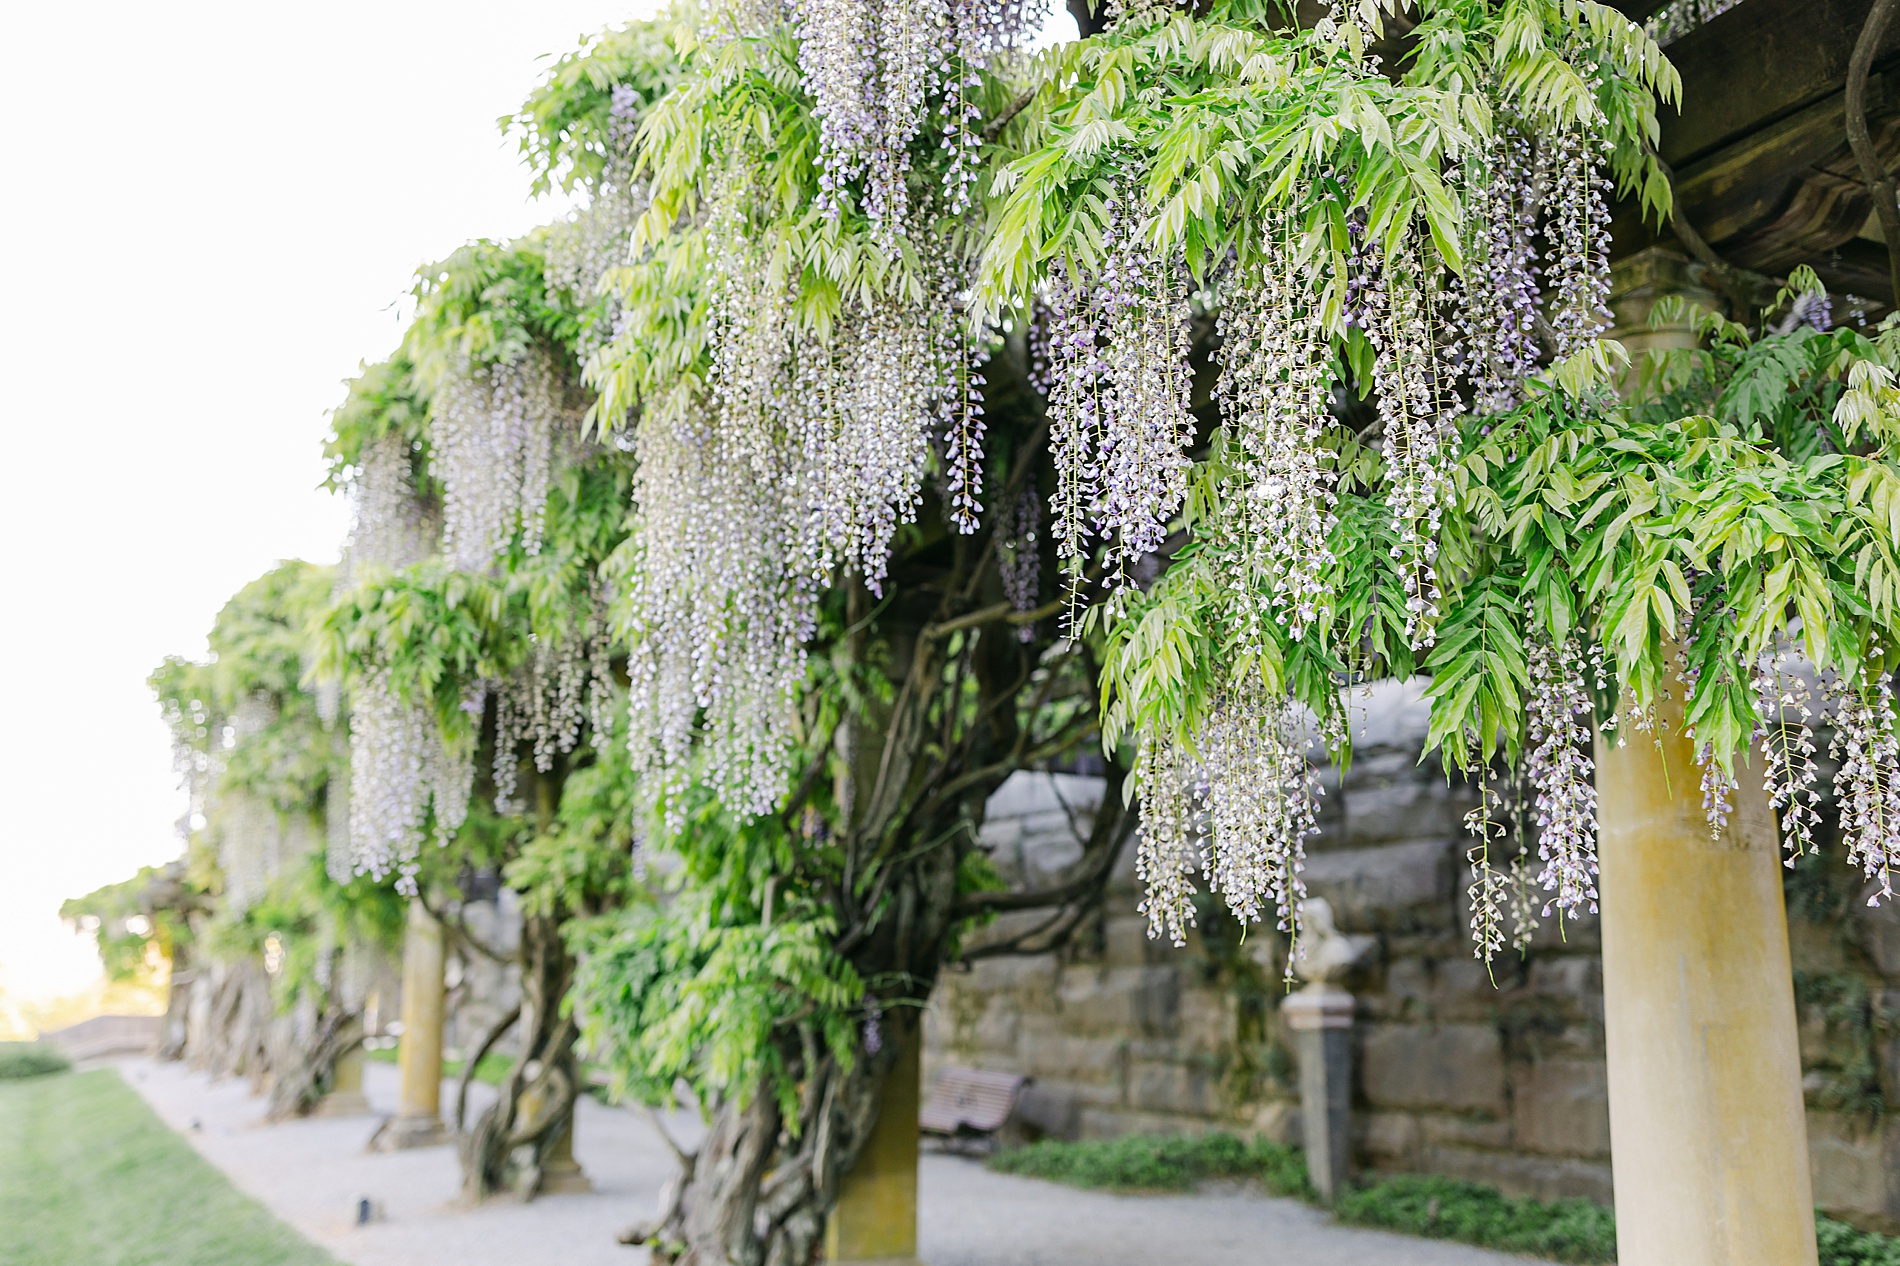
[88, 1175]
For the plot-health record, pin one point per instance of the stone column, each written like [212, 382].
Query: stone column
[1707, 1128]
[418, 1120]
[1320, 1016]
[875, 1221]
[345, 1098]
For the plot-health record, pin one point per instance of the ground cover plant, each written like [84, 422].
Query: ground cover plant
[1169, 1162]
[1572, 1231]
[89, 1174]
[1579, 1231]
[30, 1059]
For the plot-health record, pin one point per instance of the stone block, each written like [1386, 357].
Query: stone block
[1030, 975]
[1389, 716]
[1114, 1123]
[1119, 1000]
[1171, 1087]
[1048, 1109]
[1518, 1174]
[1026, 793]
[1459, 1067]
[1204, 1023]
[1441, 1130]
[1045, 1050]
[1848, 1163]
[1887, 1053]
[996, 1029]
[1575, 978]
[1388, 1136]
[1409, 804]
[1126, 943]
[1278, 1121]
[1368, 885]
[1880, 932]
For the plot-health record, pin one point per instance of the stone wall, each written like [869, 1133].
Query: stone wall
[1496, 1077]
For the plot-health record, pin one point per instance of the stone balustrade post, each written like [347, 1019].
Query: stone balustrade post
[1320, 1016]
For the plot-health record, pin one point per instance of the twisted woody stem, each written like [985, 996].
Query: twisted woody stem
[1872, 169]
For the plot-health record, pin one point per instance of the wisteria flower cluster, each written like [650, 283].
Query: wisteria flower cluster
[494, 439]
[1241, 807]
[877, 70]
[1275, 392]
[1558, 711]
[814, 453]
[1119, 424]
[1868, 782]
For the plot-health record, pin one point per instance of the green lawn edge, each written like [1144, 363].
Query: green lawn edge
[89, 1174]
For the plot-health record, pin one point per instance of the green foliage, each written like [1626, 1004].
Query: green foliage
[487, 303]
[109, 911]
[1843, 1245]
[88, 1173]
[1174, 1162]
[385, 398]
[1764, 466]
[31, 1059]
[566, 128]
[1223, 116]
[704, 986]
[1451, 1209]
[287, 756]
[1573, 1230]
[306, 916]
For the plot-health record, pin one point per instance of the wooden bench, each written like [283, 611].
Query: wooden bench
[969, 1104]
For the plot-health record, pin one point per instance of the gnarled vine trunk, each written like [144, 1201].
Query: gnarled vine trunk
[305, 1067]
[508, 1147]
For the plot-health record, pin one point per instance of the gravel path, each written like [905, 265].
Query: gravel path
[312, 1173]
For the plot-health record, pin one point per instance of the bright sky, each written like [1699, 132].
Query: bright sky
[214, 211]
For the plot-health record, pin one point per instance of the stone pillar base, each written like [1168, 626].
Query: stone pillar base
[342, 1103]
[401, 1134]
[564, 1177]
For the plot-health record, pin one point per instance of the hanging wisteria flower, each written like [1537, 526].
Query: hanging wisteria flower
[1576, 268]
[1119, 423]
[1418, 430]
[494, 438]
[1019, 562]
[1241, 808]
[1498, 315]
[1275, 387]
[1868, 783]
[1168, 850]
[399, 769]
[1557, 709]
[877, 70]
[1787, 750]
[390, 524]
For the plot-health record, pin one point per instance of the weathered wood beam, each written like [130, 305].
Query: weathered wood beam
[1760, 149]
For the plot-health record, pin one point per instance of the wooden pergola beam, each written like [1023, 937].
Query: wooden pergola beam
[1760, 152]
